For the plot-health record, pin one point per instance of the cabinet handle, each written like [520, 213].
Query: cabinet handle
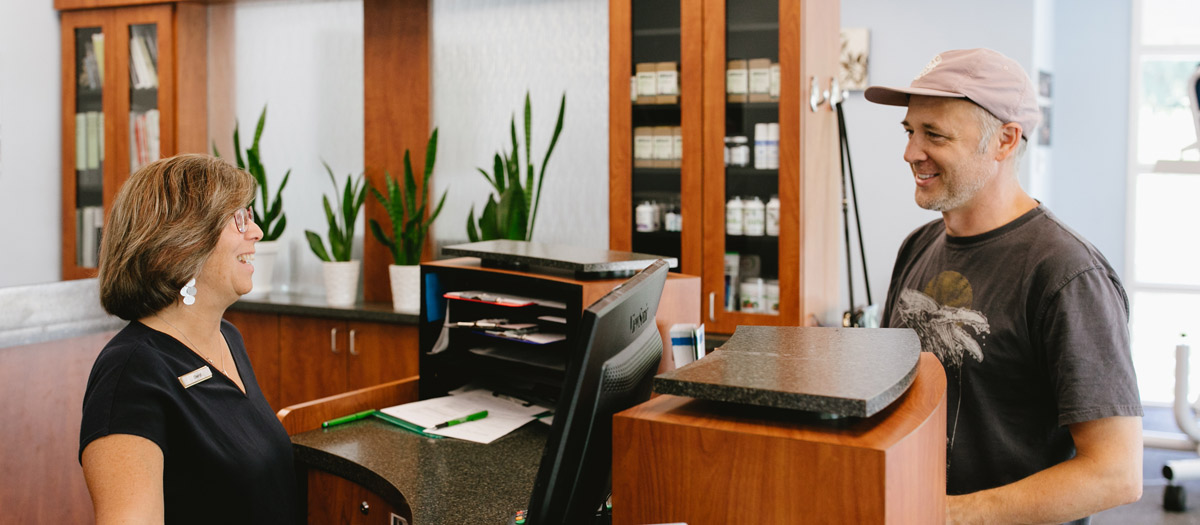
[333, 340]
[712, 300]
[364, 508]
[816, 97]
[352, 352]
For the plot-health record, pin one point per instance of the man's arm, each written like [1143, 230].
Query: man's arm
[1106, 472]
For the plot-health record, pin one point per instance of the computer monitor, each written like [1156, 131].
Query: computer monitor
[611, 370]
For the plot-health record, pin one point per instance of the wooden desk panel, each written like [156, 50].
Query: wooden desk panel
[682, 460]
[42, 388]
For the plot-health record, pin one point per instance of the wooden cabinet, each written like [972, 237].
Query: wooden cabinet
[301, 358]
[322, 357]
[133, 91]
[332, 499]
[724, 49]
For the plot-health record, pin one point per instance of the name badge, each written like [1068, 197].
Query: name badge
[198, 375]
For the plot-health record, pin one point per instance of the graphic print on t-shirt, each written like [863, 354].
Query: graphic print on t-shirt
[941, 316]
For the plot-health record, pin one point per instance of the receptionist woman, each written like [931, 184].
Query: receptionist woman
[175, 428]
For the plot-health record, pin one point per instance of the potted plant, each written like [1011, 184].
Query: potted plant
[406, 211]
[341, 272]
[512, 211]
[268, 213]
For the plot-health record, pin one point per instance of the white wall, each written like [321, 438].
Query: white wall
[485, 55]
[304, 60]
[1091, 121]
[30, 135]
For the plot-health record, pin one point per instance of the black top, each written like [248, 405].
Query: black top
[1030, 323]
[226, 458]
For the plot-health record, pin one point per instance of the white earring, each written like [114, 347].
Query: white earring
[189, 292]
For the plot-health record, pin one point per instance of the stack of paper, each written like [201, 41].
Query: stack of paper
[504, 414]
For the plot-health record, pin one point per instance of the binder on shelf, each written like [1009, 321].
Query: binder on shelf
[98, 56]
[93, 140]
[81, 141]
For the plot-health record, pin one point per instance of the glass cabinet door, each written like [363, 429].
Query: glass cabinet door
[89, 144]
[144, 144]
[751, 161]
[657, 141]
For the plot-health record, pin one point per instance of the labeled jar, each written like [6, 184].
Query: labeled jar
[752, 295]
[773, 146]
[771, 297]
[760, 146]
[739, 151]
[772, 217]
[733, 216]
[753, 217]
[646, 217]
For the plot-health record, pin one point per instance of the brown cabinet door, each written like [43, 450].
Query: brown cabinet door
[261, 335]
[312, 355]
[332, 499]
[380, 352]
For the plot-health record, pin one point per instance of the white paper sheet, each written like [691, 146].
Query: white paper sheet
[504, 416]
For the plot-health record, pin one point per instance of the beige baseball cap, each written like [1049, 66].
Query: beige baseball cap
[991, 80]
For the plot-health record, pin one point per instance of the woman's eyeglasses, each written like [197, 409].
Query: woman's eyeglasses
[242, 218]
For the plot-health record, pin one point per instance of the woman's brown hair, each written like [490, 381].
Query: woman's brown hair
[164, 223]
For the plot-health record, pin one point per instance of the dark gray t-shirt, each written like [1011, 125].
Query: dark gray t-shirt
[1030, 323]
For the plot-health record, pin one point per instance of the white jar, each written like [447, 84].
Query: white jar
[772, 218]
[773, 146]
[771, 297]
[644, 215]
[739, 151]
[753, 217]
[727, 141]
[760, 146]
[733, 216]
[751, 295]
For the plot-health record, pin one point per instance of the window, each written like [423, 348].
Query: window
[1163, 262]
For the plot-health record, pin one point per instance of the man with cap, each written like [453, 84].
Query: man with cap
[1027, 317]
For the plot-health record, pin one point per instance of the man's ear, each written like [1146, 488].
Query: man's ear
[1009, 136]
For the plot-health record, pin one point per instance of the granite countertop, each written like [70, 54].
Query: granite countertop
[444, 481]
[297, 304]
[833, 371]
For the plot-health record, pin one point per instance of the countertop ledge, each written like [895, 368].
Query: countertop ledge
[297, 304]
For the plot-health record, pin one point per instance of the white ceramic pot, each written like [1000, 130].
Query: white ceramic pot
[341, 282]
[264, 266]
[406, 287]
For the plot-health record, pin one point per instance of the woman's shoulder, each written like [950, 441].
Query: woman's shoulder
[135, 346]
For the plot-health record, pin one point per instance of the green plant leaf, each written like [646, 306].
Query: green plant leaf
[472, 233]
[318, 248]
[278, 229]
[501, 174]
[488, 229]
[562, 108]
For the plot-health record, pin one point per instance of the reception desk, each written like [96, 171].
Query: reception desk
[677, 459]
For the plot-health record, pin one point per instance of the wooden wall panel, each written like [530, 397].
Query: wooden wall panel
[42, 386]
[396, 95]
[260, 332]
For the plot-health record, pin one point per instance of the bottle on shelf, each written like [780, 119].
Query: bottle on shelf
[760, 146]
[753, 217]
[733, 216]
[739, 151]
[772, 216]
[646, 216]
[752, 295]
[771, 297]
[773, 146]
[732, 267]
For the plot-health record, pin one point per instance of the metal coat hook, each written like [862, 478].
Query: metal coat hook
[816, 96]
[838, 94]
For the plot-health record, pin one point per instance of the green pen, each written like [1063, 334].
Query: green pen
[347, 419]
[478, 415]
